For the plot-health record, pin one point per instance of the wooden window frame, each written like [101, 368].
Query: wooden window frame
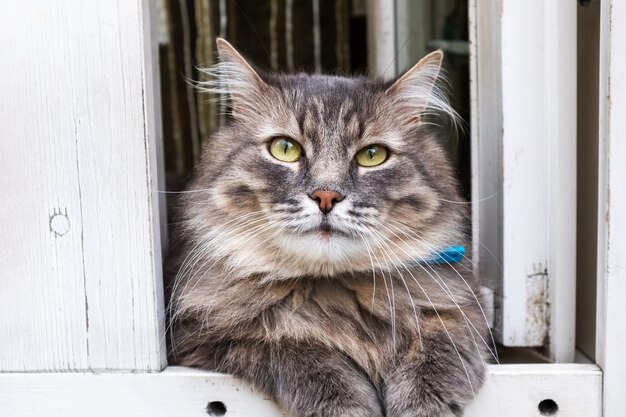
[119, 121]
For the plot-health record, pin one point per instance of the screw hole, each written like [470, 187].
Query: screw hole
[548, 407]
[216, 408]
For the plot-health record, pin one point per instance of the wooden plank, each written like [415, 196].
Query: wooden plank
[81, 255]
[611, 333]
[524, 192]
[518, 390]
[560, 101]
[524, 161]
[511, 390]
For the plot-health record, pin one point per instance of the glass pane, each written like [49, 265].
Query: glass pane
[427, 25]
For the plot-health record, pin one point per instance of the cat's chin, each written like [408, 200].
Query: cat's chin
[325, 245]
[324, 252]
[326, 234]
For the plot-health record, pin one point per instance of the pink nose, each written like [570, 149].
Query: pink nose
[326, 199]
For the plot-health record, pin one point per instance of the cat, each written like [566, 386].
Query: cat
[304, 245]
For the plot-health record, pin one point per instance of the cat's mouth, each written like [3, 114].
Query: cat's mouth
[326, 230]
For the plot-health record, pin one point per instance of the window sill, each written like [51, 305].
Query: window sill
[511, 390]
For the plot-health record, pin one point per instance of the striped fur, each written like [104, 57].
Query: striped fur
[329, 315]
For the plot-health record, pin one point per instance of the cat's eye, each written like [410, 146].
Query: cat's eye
[285, 149]
[372, 155]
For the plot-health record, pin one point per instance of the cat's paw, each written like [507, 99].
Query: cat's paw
[430, 413]
[335, 411]
[432, 407]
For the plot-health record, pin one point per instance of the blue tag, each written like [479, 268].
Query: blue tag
[448, 255]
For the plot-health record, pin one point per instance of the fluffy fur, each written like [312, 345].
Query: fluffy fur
[330, 315]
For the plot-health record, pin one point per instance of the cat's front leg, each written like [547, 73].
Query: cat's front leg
[437, 376]
[305, 381]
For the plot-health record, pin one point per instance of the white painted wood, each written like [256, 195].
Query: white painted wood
[511, 391]
[517, 390]
[611, 330]
[524, 144]
[80, 267]
[524, 193]
[561, 110]
[381, 38]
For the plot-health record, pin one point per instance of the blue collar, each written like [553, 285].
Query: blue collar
[447, 255]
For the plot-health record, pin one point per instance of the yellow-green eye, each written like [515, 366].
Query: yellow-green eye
[285, 149]
[371, 155]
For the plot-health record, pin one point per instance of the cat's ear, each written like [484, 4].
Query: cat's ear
[243, 83]
[233, 76]
[416, 90]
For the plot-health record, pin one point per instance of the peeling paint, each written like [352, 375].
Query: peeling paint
[536, 326]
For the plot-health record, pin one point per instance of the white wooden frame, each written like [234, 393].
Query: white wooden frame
[81, 132]
[511, 391]
[524, 167]
[611, 329]
[81, 284]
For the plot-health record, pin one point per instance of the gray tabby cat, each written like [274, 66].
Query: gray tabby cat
[301, 235]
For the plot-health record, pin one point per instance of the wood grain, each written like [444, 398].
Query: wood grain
[523, 81]
[611, 329]
[80, 269]
[511, 391]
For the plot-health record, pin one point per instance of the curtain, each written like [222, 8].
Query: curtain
[284, 35]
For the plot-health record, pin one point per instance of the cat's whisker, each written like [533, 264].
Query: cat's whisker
[393, 301]
[171, 306]
[210, 304]
[280, 229]
[205, 190]
[273, 285]
[244, 234]
[436, 312]
[280, 250]
[472, 262]
[198, 254]
[389, 297]
[422, 242]
[369, 253]
[239, 225]
[442, 283]
[489, 197]
[411, 234]
[417, 324]
[493, 349]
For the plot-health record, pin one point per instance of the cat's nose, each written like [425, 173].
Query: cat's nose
[326, 199]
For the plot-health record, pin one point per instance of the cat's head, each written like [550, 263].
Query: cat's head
[323, 175]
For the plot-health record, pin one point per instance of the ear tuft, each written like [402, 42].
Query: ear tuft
[425, 72]
[233, 77]
[229, 55]
[417, 92]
